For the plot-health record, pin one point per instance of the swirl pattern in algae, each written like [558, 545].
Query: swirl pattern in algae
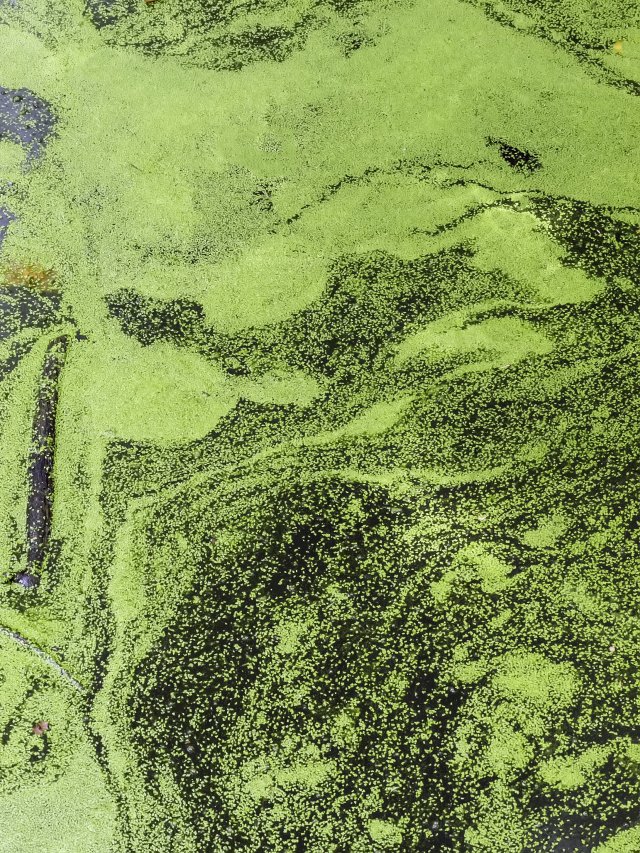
[319, 417]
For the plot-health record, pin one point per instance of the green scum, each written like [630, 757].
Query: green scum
[344, 548]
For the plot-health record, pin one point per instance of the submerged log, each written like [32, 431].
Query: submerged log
[40, 475]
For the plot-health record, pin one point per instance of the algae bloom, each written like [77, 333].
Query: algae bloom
[319, 407]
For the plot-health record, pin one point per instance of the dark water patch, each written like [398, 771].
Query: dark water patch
[40, 750]
[519, 159]
[179, 321]
[28, 692]
[182, 322]
[175, 725]
[596, 240]
[213, 42]
[17, 351]
[26, 119]
[353, 41]
[106, 13]
[21, 307]
[27, 580]
[582, 832]
[374, 301]
[260, 43]
[6, 218]
[212, 34]
[190, 692]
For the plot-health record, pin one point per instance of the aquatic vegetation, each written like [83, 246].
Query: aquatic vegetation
[319, 411]
[219, 35]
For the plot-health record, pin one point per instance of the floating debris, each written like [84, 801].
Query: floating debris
[40, 728]
[33, 276]
[40, 500]
[46, 658]
[27, 580]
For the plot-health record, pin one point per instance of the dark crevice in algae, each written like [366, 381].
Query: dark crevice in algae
[41, 487]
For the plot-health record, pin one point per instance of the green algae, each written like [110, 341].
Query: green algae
[624, 842]
[62, 816]
[385, 833]
[513, 338]
[347, 557]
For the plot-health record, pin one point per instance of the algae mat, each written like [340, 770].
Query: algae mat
[319, 400]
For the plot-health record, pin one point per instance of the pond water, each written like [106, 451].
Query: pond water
[319, 493]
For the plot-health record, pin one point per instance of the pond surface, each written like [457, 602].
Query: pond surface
[319, 406]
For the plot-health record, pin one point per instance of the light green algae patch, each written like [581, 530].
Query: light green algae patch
[62, 816]
[546, 533]
[537, 263]
[573, 772]
[181, 395]
[624, 842]
[385, 833]
[512, 339]
[10, 160]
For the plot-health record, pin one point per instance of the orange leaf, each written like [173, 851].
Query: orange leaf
[33, 276]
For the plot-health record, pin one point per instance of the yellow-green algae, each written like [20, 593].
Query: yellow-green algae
[345, 531]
